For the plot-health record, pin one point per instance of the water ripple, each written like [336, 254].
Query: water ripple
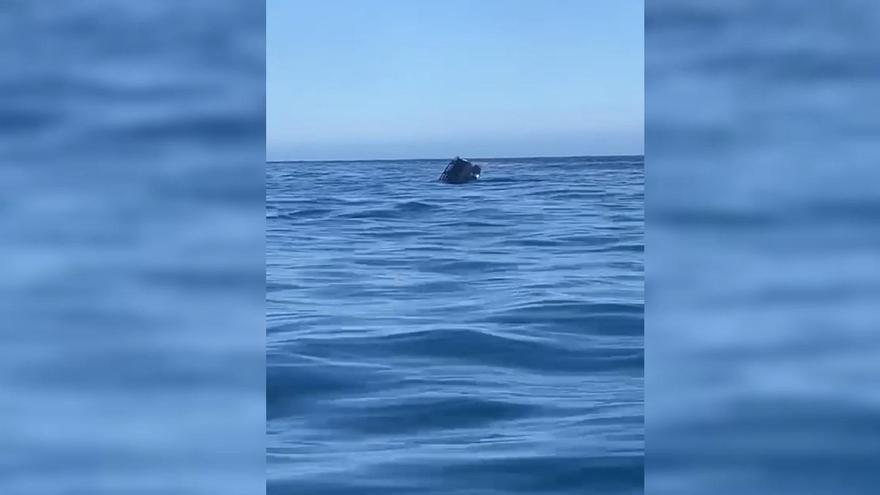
[427, 338]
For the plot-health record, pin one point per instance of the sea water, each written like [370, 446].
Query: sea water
[432, 338]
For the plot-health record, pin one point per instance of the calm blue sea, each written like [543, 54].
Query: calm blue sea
[484, 338]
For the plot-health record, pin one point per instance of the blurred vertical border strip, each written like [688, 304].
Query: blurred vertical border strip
[763, 247]
[131, 167]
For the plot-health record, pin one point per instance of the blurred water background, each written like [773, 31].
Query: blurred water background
[131, 206]
[428, 338]
[763, 247]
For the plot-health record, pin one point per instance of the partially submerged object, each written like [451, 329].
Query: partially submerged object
[460, 171]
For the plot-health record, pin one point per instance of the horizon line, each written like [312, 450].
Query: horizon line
[475, 158]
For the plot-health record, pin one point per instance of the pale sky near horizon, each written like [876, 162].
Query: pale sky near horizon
[374, 79]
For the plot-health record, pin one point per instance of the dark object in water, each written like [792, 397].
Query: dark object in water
[460, 171]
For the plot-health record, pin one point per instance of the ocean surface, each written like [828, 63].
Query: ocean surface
[763, 247]
[427, 338]
[131, 206]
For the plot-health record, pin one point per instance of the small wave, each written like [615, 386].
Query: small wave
[576, 316]
[500, 180]
[278, 286]
[473, 224]
[304, 213]
[552, 474]
[290, 387]
[476, 347]
[371, 214]
[467, 266]
[404, 415]
[415, 206]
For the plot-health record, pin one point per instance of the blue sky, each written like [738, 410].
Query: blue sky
[372, 79]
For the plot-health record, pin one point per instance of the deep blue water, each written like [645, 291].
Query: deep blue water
[484, 338]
